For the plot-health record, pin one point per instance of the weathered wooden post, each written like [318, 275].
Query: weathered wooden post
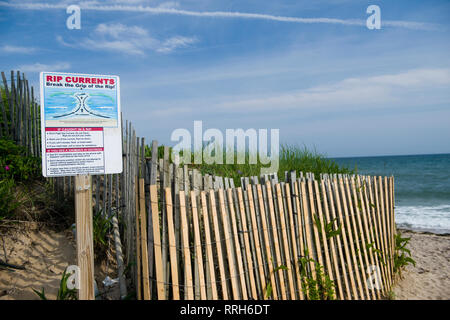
[85, 242]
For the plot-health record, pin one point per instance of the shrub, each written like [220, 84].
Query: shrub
[8, 202]
[318, 287]
[402, 255]
[15, 164]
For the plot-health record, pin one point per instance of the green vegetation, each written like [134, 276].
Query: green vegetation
[8, 202]
[15, 168]
[63, 292]
[315, 287]
[329, 230]
[318, 286]
[402, 255]
[269, 289]
[291, 158]
[390, 295]
[5, 101]
[101, 226]
[15, 164]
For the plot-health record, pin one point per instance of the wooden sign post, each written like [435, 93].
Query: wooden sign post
[85, 243]
[81, 139]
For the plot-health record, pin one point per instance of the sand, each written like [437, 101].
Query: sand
[430, 278]
[45, 254]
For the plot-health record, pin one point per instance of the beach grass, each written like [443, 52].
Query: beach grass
[291, 158]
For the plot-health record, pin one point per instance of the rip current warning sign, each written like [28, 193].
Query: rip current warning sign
[81, 125]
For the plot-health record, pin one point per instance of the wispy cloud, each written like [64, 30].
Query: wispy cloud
[173, 43]
[130, 40]
[118, 30]
[17, 49]
[169, 5]
[172, 10]
[411, 88]
[38, 67]
[366, 92]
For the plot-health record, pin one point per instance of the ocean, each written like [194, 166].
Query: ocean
[422, 187]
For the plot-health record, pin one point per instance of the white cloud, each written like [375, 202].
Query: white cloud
[38, 67]
[17, 49]
[173, 43]
[119, 30]
[367, 92]
[410, 88]
[169, 5]
[130, 40]
[170, 9]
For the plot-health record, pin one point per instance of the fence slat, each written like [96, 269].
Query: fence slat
[229, 245]
[314, 221]
[337, 271]
[392, 213]
[218, 240]
[301, 237]
[138, 244]
[358, 237]
[375, 217]
[267, 245]
[150, 239]
[198, 246]
[278, 262]
[246, 215]
[143, 240]
[209, 247]
[368, 230]
[322, 234]
[285, 241]
[258, 248]
[389, 224]
[245, 274]
[172, 245]
[245, 231]
[157, 241]
[308, 232]
[237, 246]
[379, 199]
[344, 229]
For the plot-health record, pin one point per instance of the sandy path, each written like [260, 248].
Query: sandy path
[430, 278]
[44, 254]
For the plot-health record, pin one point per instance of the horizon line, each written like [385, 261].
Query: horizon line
[391, 155]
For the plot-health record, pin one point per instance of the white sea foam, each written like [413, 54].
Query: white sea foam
[426, 218]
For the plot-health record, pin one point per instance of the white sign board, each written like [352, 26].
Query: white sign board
[81, 124]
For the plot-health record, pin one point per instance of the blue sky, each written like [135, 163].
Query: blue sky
[333, 85]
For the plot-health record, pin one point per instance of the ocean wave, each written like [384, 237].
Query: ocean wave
[424, 218]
